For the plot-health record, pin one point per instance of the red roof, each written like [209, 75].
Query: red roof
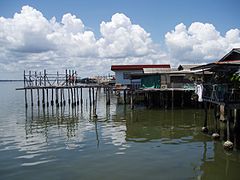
[138, 67]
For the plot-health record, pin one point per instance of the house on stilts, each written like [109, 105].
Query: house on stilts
[222, 91]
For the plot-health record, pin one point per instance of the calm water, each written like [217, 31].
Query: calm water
[121, 144]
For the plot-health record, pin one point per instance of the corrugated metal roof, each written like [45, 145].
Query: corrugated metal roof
[187, 66]
[233, 55]
[155, 70]
[138, 67]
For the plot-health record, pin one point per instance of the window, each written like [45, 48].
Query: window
[126, 75]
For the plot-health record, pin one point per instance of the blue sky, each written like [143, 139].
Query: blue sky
[155, 16]
[169, 31]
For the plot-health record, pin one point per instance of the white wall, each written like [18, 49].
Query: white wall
[121, 80]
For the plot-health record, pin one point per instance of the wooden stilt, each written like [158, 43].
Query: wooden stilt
[71, 90]
[172, 99]
[204, 128]
[47, 97]
[95, 106]
[132, 105]
[124, 97]
[74, 96]
[235, 118]
[26, 104]
[43, 97]
[61, 97]
[107, 96]
[69, 101]
[77, 96]
[182, 98]
[52, 102]
[90, 101]
[57, 100]
[81, 97]
[222, 112]
[93, 101]
[215, 135]
[228, 144]
[31, 97]
[64, 101]
[38, 101]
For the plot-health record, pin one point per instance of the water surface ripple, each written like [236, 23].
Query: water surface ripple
[68, 143]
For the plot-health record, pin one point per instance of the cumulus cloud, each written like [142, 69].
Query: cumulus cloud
[199, 43]
[29, 40]
[121, 38]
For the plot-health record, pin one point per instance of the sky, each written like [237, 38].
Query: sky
[89, 36]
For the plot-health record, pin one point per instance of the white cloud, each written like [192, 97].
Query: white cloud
[199, 43]
[121, 38]
[28, 40]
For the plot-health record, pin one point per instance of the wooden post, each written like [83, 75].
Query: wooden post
[57, 79]
[77, 97]
[38, 102]
[61, 99]
[228, 124]
[47, 97]
[31, 88]
[182, 96]
[81, 97]
[235, 118]
[43, 97]
[204, 128]
[64, 101]
[166, 100]
[215, 117]
[24, 78]
[215, 135]
[52, 102]
[40, 80]
[44, 77]
[66, 75]
[24, 75]
[69, 101]
[89, 91]
[29, 79]
[75, 78]
[95, 106]
[36, 78]
[93, 101]
[57, 101]
[124, 96]
[172, 96]
[26, 104]
[132, 105]
[222, 113]
[31, 97]
[228, 144]
[72, 96]
[69, 78]
[107, 96]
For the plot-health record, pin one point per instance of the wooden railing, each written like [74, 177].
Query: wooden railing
[38, 79]
[221, 93]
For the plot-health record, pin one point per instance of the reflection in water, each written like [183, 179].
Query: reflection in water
[120, 143]
[41, 120]
[171, 126]
[221, 165]
[119, 126]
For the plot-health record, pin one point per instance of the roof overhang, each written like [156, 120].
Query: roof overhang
[138, 67]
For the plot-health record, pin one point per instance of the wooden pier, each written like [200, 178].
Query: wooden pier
[59, 89]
